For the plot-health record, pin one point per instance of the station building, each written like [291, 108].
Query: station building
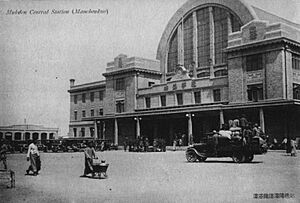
[216, 60]
[27, 132]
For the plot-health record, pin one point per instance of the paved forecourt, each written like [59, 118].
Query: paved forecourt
[155, 177]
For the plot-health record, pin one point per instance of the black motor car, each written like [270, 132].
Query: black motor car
[240, 149]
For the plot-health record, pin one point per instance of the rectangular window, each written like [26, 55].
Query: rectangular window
[83, 114]
[100, 112]
[120, 84]
[75, 99]
[254, 62]
[296, 91]
[75, 115]
[92, 113]
[295, 61]
[255, 92]
[92, 96]
[197, 96]
[75, 132]
[179, 99]
[83, 98]
[82, 132]
[217, 95]
[101, 95]
[120, 106]
[148, 102]
[163, 100]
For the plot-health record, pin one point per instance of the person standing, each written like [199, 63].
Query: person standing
[33, 156]
[293, 147]
[89, 155]
[3, 148]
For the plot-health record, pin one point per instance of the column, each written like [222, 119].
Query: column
[190, 129]
[262, 119]
[40, 136]
[229, 24]
[103, 129]
[138, 128]
[195, 44]
[211, 41]
[95, 130]
[116, 132]
[221, 118]
[47, 136]
[180, 44]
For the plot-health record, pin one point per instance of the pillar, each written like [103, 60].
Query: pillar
[47, 136]
[190, 129]
[138, 128]
[180, 44]
[116, 132]
[40, 136]
[103, 129]
[13, 136]
[262, 119]
[211, 41]
[195, 44]
[221, 118]
[95, 129]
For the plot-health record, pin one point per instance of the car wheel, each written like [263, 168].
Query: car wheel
[238, 158]
[202, 158]
[191, 156]
[249, 158]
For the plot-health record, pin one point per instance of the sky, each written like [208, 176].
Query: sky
[39, 53]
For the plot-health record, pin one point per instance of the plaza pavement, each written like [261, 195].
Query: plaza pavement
[155, 177]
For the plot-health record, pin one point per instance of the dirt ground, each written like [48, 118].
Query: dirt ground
[154, 177]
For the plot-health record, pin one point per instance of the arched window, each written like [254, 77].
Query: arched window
[223, 22]
[18, 136]
[43, 136]
[35, 136]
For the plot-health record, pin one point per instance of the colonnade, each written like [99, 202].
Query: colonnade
[189, 117]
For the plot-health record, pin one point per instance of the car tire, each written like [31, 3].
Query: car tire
[249, 158]
[202, 158]
[238, 157]
[191, 156]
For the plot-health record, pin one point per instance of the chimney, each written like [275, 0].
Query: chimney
[72, 82]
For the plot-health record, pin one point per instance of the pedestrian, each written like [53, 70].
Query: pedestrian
[89, 155]
[174, 144]
[3, 150]
[293, 147]
[146, 145]
[243, 122]
[125, 144]
[33, 156]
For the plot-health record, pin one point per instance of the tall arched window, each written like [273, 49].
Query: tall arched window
[213, 26]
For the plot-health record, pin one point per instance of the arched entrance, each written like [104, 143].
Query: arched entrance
[8, 136]
[35, 136]
[18, 136]
[43, 136]
[27, 136]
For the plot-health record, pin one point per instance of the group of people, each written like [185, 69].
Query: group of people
[241, 128]
[141, 144]
[33, 156]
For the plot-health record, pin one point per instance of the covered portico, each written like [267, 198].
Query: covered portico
[277, 119]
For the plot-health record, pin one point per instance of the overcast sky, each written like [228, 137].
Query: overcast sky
[40, 53]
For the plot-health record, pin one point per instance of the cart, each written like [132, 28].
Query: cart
[99, 168]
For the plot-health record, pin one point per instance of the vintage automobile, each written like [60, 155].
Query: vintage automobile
[240, 149]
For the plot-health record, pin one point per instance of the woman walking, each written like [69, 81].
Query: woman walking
[33, 156]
